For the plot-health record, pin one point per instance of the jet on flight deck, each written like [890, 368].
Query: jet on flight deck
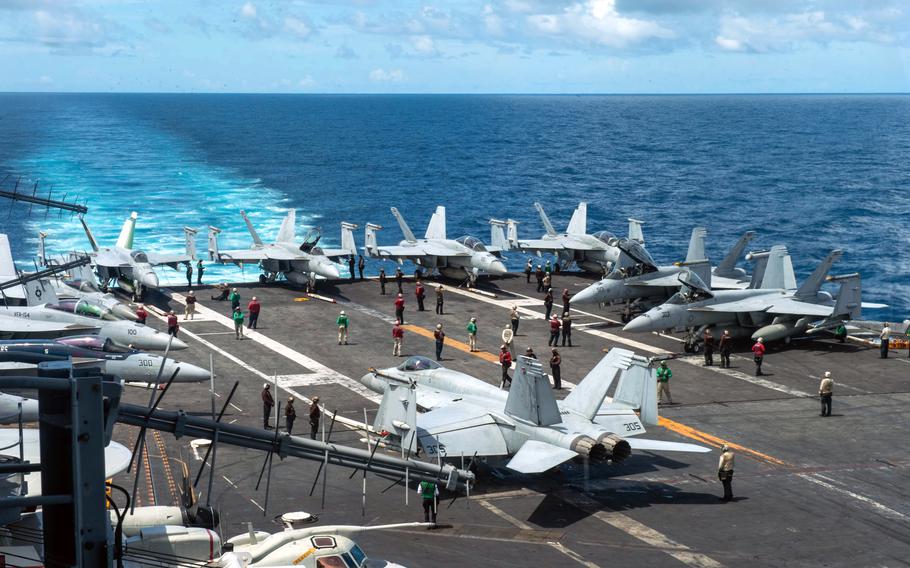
[526, 426]
[464, 257]
[301, 264]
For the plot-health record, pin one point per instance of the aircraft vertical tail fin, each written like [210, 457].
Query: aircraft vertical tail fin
[214, 254]
[347, 238]
[498, 239]
[405, 230]
[437, 227]
[369, 239]
[637, 388]
[759, 260]
[545, 220]
[578, 224]
[287, 231]
[849, 301]
[810, 287]
[773, 276]
[398, 414]
[727, 266]
[189, 234]
[696, 250]
[635, 232]
[249, 227]
[88, 234]
[587, 398]
[125, 240]
[39, 292]
[512, 233]
[530, 396]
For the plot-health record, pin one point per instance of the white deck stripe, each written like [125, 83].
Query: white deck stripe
[887, 511]
[698, 361]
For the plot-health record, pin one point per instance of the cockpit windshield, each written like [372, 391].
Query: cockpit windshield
[693, 289]
[418, 363]
[472, 243]
[605, 237]
[139, 256]
[94, 343]
[310, 239]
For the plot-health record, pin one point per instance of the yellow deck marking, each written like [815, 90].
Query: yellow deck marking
[712, 440]
[453, 343]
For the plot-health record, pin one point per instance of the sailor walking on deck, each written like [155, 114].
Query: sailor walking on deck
[725, 472]
[726, 347]
[825, 392]
[556, 369]
[342, 323]
[439, 300]
[382, 280]
[472, 334]
[663, 383]
[708, 339]
[315, 415]
[190, 311]
[290, 414]
[758, 355]
[505, 361]
[267, 403]
[397, 339]
[429, 495]
[440, 336]
[885, 336]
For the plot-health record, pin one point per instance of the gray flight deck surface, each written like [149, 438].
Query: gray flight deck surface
[810, 491]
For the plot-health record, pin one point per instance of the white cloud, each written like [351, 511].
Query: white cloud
[380, 75]
[297, 27]
[728, 44]
[248, 10]
[597, 22]
[423, 45]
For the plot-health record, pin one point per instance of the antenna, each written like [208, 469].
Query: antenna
[34, 199]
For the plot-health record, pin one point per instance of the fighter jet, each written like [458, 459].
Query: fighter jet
[526, 427]
[133, 269]
[638, 280]
[771, 311]
[301, 264]
[131, 365]
[596, 252]
[464, 257]
[48, 317]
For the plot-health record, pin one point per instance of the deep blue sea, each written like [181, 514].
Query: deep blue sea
[811, 172]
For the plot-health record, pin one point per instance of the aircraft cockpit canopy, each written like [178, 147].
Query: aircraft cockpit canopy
[344, 553]
[310, 239]
[472, 243]
[94, 343]
[76, 307]
[694, 289]
[605, 237]
[418, 363]
[139, 256]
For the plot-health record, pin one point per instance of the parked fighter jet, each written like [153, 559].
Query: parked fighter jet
[526, 425]
[454, 258]
[48, 318]
[596, 252]
[132, 268]
[638, 280]
[300, 264]
[130, 365]
[770, 312]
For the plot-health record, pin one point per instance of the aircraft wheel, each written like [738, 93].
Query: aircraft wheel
[625, 318]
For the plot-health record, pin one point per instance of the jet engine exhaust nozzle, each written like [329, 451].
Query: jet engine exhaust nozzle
[611, 447]
[617, 448]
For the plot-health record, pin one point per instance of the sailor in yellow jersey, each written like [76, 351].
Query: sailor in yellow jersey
[725, 472]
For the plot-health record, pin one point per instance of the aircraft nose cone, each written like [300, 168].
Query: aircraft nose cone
[640, 324]
[191, 373]
[178, 344]
[149, 280]
[123, 312]
[497, 267]
[586, 296]
[330, 271]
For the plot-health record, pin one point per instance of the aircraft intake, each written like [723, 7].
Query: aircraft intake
[608, 447]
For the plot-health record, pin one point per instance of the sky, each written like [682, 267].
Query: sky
[465, 46]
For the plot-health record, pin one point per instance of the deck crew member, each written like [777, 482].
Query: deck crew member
[189, 274]
[238, 323]
[726, 347]
[420, 293]
[290, 414]
[254, 308]
[554, 331]
[440, 336]
[141, 314]
[189, 312]
[514, 319]
[172, 326]
[429, 495]
[397, 339]
[399, 307]
[708, 339]
[528, 269]
[267, 403]
[315, 415]
[725, 472]
[508, 339]
[382, 281]
[342, 323]
[439, 299]
[758, 355]
[505, 361]
[351, 264]
[825, 391]
[885, 336]
[361, 264]
[555, 369]
[399, 278]
[548, 268]
[664, 374]
[472, 334]
[547, 281]
[235, 299]
[548, 303]
[530, 353]
[566, 300]
[538, 275]
[566, 329]
[223, 292]
[840, 332]
[199, 270]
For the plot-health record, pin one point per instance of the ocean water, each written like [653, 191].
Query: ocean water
[811, 172]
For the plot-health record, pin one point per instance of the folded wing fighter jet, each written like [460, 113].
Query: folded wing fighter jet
[301, 264]
[525, 427]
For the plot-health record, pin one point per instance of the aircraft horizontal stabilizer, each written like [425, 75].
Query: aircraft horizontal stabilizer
[661, 446]
[538, 457]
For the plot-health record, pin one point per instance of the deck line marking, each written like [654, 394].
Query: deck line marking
[695, 361]
[572, 554]
[818, 480]
[712, 440]
[453, 343]
[257, 504]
